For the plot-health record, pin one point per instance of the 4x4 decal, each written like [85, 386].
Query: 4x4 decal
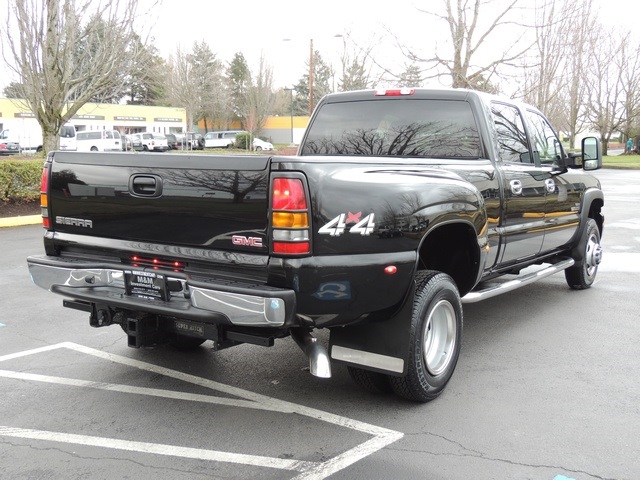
[337, 225]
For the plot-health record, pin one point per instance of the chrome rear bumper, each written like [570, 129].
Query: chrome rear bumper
[203, 300]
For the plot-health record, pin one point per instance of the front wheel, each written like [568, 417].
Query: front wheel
[436, 336]
[583, 273]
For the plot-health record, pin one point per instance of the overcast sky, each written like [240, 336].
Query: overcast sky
[260, 27]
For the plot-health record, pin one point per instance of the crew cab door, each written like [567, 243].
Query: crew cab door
[562, 205]
[524, 188]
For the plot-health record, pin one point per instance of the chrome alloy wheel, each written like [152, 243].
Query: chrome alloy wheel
[439, 337]
[593, 254]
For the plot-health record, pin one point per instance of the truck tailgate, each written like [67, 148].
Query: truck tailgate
[203, 201]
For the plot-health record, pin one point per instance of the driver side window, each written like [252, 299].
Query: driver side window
[545, 143]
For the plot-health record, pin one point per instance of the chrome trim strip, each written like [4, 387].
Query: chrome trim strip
[360, 357]
[521, 281]
[240, 309]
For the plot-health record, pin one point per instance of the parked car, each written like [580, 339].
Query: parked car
[152, 142]
[135, 144]
[9, 147]
[259, 144]
[172, 141]
[196, 141]
[68, 139]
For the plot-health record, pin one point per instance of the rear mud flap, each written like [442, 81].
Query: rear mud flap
[380, 346]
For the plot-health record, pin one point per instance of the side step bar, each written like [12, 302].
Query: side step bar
[521, 281]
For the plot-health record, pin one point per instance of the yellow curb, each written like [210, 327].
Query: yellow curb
[19, 221]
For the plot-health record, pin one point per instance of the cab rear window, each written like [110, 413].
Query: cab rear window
[403, 128]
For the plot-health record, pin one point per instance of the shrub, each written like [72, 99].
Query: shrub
[243, 141]
[20, 180]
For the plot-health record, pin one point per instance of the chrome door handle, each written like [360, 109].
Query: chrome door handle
[550, 184]
[516, 187]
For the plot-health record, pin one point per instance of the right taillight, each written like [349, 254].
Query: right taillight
[289, 217]
[44, 198]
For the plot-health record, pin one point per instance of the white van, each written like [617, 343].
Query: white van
[68, 137]
[99, 141]
[224, 139]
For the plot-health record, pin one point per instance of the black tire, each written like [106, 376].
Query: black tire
[583, 273]
[258, 149]
[435, 338]
[94, 149]
[373, 382]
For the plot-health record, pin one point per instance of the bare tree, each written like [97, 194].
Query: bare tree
[471, 25]
[605, 87]
[256, 103]
[42, 51]
[543, 73]
[183, 86]
[630, 77]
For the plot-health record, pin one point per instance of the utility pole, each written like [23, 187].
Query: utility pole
[310, 76]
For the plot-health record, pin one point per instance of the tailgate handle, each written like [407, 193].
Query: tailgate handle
[145, 185]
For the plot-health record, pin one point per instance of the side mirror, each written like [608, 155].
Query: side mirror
[591, 154]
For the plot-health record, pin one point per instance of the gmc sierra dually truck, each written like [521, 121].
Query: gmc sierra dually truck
[400, 206]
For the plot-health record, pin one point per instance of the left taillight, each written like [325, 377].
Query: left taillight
[44, 197]
[289, 217]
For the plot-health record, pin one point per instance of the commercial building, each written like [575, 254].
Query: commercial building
[16, 115]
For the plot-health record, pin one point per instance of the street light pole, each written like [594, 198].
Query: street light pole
[291, 105]
[310, 76]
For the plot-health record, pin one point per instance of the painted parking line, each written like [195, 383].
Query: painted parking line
[156, 448]
[380, 437]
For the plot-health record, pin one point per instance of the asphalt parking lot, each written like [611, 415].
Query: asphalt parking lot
[545, 388]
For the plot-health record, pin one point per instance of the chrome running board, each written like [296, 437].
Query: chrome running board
[500, 288]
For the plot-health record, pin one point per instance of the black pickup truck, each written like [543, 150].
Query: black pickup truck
[400, 206]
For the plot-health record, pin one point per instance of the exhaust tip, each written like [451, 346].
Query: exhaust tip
[319, 362]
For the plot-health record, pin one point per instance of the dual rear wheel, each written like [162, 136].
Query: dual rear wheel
[435, 340]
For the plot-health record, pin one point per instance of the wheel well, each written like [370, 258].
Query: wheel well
[452, 249]
[595, 212]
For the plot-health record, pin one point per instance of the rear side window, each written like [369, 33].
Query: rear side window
[403, 128]
[512, 137]
[67, 131]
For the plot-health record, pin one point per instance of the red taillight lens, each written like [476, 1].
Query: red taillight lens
[291, 248]
[288, 194]
[44, 181]
[44, 199]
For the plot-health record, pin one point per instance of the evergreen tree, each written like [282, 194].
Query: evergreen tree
[145, 85]
[207, 73]
[411, 77]
[13, 90]
[322, 84]
[239, 78]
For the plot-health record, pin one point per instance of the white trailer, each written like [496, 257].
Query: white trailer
[23, 130]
